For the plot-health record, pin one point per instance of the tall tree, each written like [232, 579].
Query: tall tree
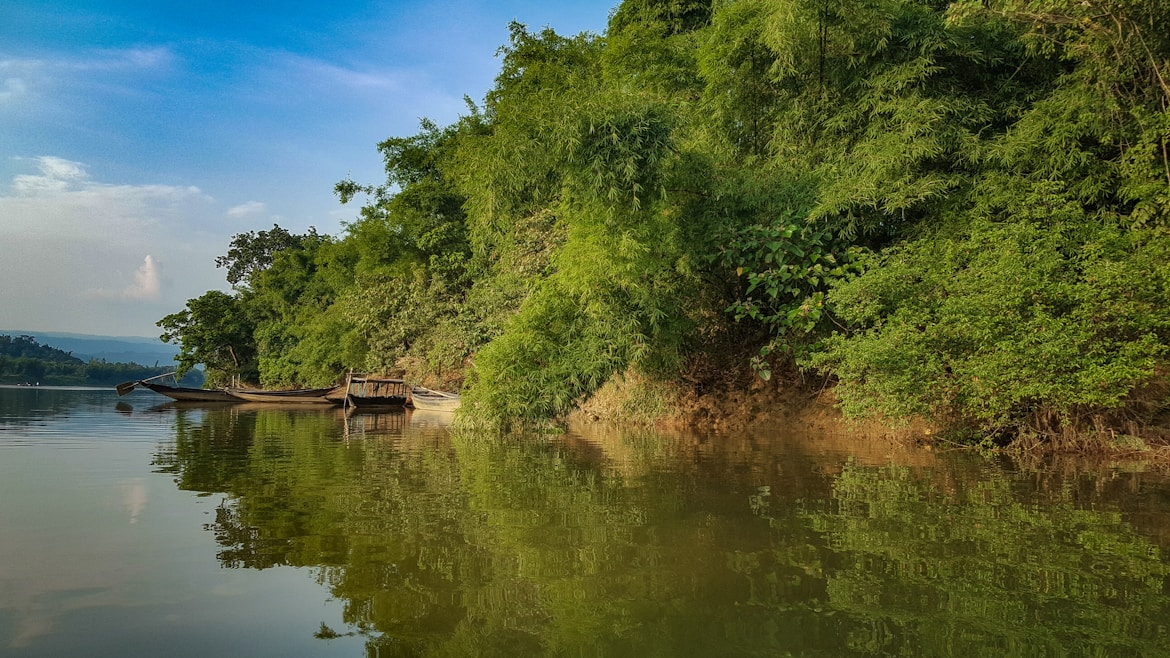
[214, 330]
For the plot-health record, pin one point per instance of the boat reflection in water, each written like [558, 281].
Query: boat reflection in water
[191, 529]
[635, 542]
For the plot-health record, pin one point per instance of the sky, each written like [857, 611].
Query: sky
[137, 137]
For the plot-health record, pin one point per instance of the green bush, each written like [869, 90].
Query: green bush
[1015, 325]
[559, 348]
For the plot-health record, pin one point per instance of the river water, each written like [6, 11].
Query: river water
[131, 526]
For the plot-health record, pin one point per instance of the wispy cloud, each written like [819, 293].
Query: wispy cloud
[101, 249]
[248, 209]
[57, 175]
[126, 59]
[11, 89]
[61, 200]
[60, 168]
[25, 80]
[19, 79]
[293, 75]
[335, 75]
[106, 59]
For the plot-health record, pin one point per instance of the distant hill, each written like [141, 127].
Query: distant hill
[113, 349]
[24, 360]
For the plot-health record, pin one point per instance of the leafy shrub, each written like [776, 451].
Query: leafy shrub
[559, 348]
[1013, 325]
[787, 267]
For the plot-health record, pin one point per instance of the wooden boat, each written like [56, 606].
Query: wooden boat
[428, 400]
[295, 396]
[186, 394]
[375, 392]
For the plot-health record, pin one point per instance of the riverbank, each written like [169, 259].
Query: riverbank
[729, 408]
[796, 404]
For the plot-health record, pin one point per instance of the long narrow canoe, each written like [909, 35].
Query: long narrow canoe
[187, 394]
[428, 400]
[295, 396]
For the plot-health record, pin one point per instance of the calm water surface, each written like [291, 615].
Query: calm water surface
[130, 526]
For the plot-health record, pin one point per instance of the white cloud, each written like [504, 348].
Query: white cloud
[12, 88]
[146, 282]
[86, 256]
[110, 59]
[333, 74]
[128, 59]
[146, 286]
[57, 174]
[134, 497]
[63, 202]
[62, 83]
[284, 77]
[247, 209]
[62, 169]
[18, 75]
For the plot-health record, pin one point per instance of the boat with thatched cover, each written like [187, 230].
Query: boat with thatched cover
[362, 391]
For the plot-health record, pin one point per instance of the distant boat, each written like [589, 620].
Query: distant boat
[186, 394]
[428, 400]
[330, 395]
[376, 392]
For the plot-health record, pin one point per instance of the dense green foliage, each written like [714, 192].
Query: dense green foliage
[1036, 298]
[23, 360]
[957, 210]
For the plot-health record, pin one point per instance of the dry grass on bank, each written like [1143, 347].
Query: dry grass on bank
[787, 402]
[800, 405]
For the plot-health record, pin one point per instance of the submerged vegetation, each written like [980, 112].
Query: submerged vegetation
[956, 211]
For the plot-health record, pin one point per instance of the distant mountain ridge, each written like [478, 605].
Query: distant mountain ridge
[113, 349]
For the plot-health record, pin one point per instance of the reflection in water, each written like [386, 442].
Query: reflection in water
[609, 542]
[938, 564]
[134, 497]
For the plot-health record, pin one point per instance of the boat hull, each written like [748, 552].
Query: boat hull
[296, 396]
[186, 394]
[428, 400]
[390, 401]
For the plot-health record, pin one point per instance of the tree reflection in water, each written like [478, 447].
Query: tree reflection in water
[618, 543]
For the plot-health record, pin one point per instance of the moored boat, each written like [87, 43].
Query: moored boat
[428, 400]
[187, 394]
[376, 392]
[295, 396]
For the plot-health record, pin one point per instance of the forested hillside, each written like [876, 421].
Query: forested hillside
[23, 360]
[952, 210]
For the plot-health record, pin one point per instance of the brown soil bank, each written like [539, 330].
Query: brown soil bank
[759, 403]
[802, 408]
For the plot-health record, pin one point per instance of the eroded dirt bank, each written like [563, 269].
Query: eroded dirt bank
[803, 409]
[757, 404]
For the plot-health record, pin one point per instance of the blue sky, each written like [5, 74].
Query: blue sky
[137, 137]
